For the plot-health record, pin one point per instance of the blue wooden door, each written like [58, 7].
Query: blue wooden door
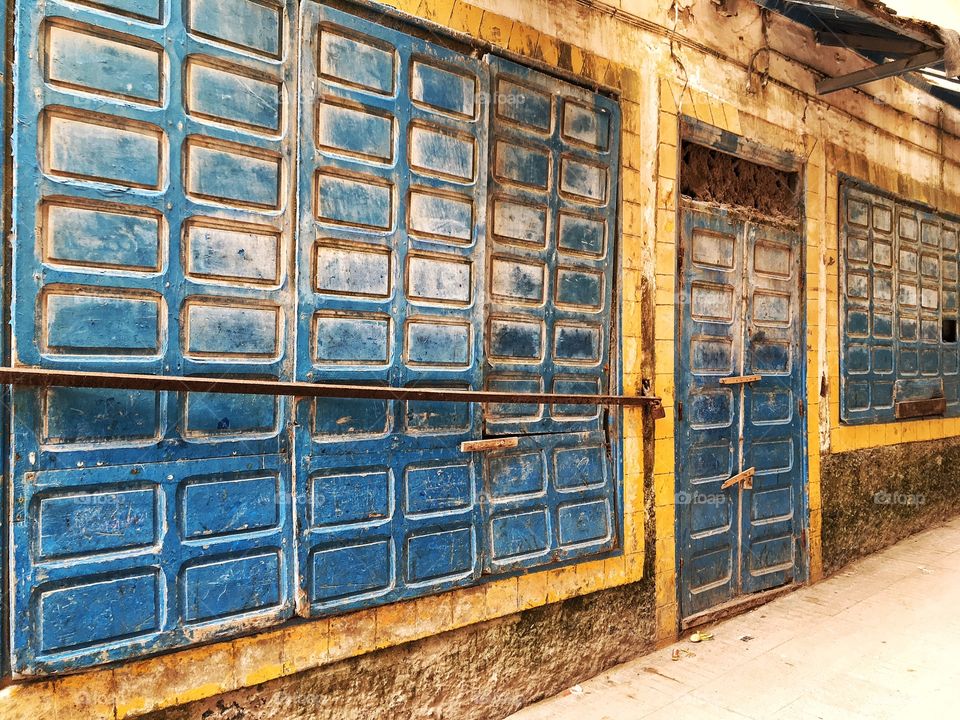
[251, 188]
[554, 155]
[771, 511]
[391, 282]
[739, 383]
[153, 185]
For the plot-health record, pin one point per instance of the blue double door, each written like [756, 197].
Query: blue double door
[287, 191]
[460, 235]
[740, 464]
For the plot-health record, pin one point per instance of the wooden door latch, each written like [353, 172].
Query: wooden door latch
[740, 379]
[489, 444]
[745, 479]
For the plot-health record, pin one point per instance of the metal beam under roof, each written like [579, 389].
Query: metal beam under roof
[898, 46]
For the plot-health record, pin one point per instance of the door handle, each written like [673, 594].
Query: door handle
[489, 444]
[745, 478]
[740, 379]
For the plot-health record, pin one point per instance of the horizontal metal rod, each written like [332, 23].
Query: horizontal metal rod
[43, 377]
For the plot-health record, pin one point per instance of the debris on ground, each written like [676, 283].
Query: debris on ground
[701, 636]
[746, 638]
[576, 690]
[681, 653]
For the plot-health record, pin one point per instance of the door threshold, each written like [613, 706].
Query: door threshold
[736, 606]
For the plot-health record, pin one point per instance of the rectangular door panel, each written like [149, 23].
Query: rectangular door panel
[263, 190]
[392, 218]
[708, 448]
[391, 227]
[773, 424]
[549, 499]
[554, 153]
[125, 560]
[152, 210]
[383, 526]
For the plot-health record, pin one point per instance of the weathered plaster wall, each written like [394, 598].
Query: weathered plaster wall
[476, 673]
[874, 497]
[727, 65]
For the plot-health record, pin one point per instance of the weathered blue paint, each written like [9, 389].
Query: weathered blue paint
[740, 313]
[395, 222]
[899, 286]
[125, 559]
[157, 232]
[552, 201]
[550, 499]
[551, 245]
[153, 235]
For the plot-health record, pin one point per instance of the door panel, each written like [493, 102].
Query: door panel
[773, 424]
[708, 448]
[377, 527]
[151, 208]
[128, 559]
[552, 498]
[554, 152]
[391, 280]
[739, 381]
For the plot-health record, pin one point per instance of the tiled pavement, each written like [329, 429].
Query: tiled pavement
[879, 640]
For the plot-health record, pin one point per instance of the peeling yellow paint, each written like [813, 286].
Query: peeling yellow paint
[208, 690]
[263, 674]
[135, 706]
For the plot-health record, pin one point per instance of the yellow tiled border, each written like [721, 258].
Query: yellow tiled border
[137, 687]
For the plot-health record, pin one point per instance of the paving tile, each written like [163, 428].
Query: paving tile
[877, 641]
[620, 702]
[691, 708]
[758, 688]
[811, 707]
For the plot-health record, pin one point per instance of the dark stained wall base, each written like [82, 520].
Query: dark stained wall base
[872, 498]
[480, 672]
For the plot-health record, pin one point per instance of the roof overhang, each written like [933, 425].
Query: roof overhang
[897, 47]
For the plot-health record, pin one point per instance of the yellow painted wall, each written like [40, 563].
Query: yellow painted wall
[715, 62]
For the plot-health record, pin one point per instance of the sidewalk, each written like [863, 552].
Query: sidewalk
[879, 640]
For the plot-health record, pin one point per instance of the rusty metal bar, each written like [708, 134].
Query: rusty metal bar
[42, 377]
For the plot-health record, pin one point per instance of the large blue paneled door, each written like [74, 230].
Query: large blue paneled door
[552, 208]
[258, 188]
[739, 383]
[391, 251]
[152, 207]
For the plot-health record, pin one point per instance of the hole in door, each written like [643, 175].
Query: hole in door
[948, 330]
